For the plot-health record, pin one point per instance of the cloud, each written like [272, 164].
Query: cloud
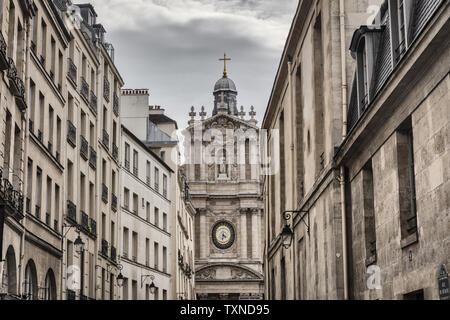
[172, 47]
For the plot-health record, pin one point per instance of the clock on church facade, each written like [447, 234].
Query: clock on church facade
[225, 187]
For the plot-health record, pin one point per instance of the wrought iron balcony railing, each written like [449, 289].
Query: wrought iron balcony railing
[116, 104]
[114, 202]
[38, 212]
[115, 152]
[92, 158]
[84, 221]
[84, 89]
[135, 171]
[33, 47]
[55, 225]
[48, 219]
[104, 193]
[72, 72]
[71, 211]
[105, 139]
[93, 102]
[71, 134]
[106, 89]
[84, 149]
[93, 226]
[3, 53]
[104, 249]
[113, 253]
[12, 198]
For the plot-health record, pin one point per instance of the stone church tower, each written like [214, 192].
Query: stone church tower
[223, 173]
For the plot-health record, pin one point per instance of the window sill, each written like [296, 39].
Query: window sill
[409, 240]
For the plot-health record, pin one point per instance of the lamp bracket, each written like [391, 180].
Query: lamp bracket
[287, 215]
[145, 276]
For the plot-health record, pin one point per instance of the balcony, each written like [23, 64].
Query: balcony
[72, 72]
[113, 253]
[127, 164]
[40, 136]
[71, 211]
[115, 152]
[84, 149]
[33, 47]
[93, 227]
[3, 53]
[55, 225]
[93, 102]
[104, 250]
[16, 85]
[71, 134]
[106, 89]
[148, 181]
[135, 171]
[50, 147]
[92, 158]
[104, 193]
[38, 212]
[114, 202]
[105, 139]
[116, 104]
[84, 89]
[28, 205]
[48, 219]
[85, 221]
[11, 199]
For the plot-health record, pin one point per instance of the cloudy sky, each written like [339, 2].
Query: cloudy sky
[172, 47]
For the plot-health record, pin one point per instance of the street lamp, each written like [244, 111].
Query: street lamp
[152, 288]
[286, 236]
[120, 280]
[152, 285]
[79, 245]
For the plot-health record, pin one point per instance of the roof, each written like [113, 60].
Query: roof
[142, 145]
[225, 84]
[155, 136]
[162, 118]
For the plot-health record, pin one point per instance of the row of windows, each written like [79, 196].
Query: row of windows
[134, 253]
[147, 207]
[134, 291]
[135, 171]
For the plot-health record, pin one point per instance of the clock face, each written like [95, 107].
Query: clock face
[223, 235]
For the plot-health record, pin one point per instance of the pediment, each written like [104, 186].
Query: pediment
[227, 272]
[225, 121]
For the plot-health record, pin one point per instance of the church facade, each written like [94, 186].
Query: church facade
[222, 168]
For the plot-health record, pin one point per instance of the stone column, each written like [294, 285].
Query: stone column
[255, 234]
[243, 240]
[203, 234]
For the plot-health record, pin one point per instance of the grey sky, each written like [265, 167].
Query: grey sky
[172, 47]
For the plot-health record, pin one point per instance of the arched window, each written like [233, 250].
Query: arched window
[30, 282]
[50, 286]
[9, 276]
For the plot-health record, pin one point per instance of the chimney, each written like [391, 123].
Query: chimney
[153, 110]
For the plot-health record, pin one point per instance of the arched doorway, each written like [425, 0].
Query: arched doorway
[9, 277]
[30, 284]
[50, 286]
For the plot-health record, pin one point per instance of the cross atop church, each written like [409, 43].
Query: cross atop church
[225, 59]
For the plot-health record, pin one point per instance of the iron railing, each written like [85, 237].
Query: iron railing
[84, 221]
[104, 193]
[92, 158]
[93, 226]
[116, 104]
[115, 152]
[71, 134]
[113, 253]
[71, 211]
[11, 197]
[84, 89]
[104, 250]
[84, 149]
[93, 102]
[105, 139]
[106, 89]
[113, 202]
[3, 53]
[72, 72]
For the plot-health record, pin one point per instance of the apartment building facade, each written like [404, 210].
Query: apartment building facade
[362, 153]
[68, 167]
[146, 238]
[304, 121]
[185, 265]
[15, 19]
[397, 185]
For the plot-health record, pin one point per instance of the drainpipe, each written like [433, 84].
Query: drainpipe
[344, 135]
[291, 96]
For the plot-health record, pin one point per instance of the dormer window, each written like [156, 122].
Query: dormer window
[401, 48]
[362, 75]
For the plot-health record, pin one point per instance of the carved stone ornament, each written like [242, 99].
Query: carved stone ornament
[207, 274]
